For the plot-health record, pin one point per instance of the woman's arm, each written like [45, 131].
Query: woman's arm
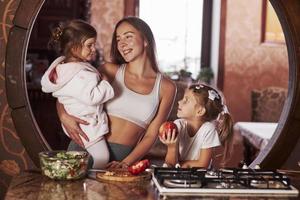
[108, 71]
[203, 160]
[167, 96]
[71, 124]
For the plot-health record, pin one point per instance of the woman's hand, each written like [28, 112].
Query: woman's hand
[117, 164]
[72, 127]
[71, 124]
[169, 138]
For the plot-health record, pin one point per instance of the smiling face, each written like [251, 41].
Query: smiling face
[87, 51]
[130, 43]
[189, 107]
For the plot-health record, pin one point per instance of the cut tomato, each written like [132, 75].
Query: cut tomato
[139, 167]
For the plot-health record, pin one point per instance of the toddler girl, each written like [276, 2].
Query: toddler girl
[204, 123]
[78, 85]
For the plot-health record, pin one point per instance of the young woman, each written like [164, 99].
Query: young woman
[204, 123]
[143, 96]
[78, 85]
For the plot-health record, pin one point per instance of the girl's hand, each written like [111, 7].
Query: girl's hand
[169, 138]
[72, 127]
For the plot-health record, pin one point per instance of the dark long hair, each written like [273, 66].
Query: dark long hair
[70, 34]
[147, 35]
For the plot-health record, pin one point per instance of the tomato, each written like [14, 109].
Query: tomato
[139, 167]
[72, 172]
[166, 126]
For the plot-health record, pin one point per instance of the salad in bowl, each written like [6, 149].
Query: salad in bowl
[64, 165]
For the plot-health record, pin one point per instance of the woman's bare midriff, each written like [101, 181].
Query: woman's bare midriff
[123, 132]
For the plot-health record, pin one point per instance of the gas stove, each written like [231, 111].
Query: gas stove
[225, 182]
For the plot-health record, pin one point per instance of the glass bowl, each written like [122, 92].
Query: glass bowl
[64, 165]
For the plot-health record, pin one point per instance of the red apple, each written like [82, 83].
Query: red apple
[166, 126]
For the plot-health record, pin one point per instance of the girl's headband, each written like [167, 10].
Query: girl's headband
[212, 95]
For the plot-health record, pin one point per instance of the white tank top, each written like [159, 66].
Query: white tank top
[129, 105]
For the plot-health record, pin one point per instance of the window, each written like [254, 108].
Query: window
[177, 28]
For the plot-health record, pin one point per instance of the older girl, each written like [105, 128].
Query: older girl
[203, 125]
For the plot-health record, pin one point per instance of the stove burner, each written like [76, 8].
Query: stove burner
[225, 185]
[182, 183]
[267, 184]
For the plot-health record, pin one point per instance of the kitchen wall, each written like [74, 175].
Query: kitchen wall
[249, 64]
[104, 15]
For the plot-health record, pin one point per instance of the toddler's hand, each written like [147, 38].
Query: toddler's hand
[169, 137]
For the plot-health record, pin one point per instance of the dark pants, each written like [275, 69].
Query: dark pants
[117, 152]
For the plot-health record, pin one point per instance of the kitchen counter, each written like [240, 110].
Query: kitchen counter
[36, 186]
[32, 185]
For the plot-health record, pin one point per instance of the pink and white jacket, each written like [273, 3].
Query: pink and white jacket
[79, 88]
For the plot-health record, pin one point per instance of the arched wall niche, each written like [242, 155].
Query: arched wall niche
[282, 144]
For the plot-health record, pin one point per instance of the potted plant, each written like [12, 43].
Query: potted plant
[185, 75]
[205, 75]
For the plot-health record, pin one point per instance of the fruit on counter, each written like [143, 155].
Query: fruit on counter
[139, 167]
[166, 126]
